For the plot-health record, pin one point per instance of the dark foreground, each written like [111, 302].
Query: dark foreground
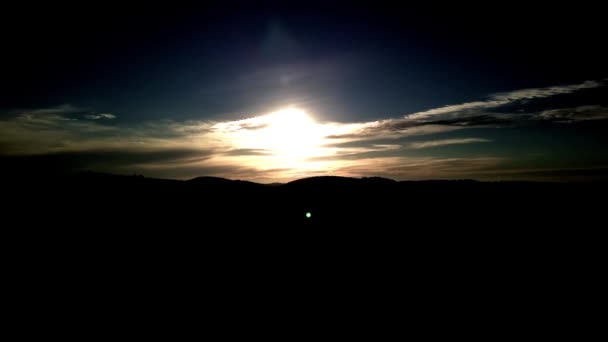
[89, 200]
[92, 211]
[436, 241]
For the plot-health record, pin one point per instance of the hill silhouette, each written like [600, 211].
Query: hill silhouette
[75, 199]
[429, 236]
[100, 207]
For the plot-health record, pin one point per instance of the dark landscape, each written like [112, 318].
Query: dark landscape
[112, 239]
[484, 214]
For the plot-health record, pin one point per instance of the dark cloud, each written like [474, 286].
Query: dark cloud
[559, 174]
[108, 161]
[484, 120]
[582, 113]
[248, 152]
[253, 126]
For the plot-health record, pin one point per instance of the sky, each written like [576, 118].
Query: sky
[272, 93]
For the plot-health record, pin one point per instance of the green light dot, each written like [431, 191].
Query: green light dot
[308, 215]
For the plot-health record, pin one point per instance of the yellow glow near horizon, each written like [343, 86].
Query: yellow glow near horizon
[286, 136]
[289, 142]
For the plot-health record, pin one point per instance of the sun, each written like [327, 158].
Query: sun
[289, 138]
[290, 133]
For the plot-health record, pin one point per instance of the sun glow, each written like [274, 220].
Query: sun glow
[288, 135]
[288, 142]
[291, 133]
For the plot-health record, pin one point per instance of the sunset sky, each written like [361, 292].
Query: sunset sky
[272, 94]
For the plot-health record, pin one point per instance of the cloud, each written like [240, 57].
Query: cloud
[100, 116]
[52, 111]
[535, 93]
[392, 129]
[479, 114]
[582, 113]
[501, 99]
[420, 168]
[444, 142]
[248, 152]
[246, 148]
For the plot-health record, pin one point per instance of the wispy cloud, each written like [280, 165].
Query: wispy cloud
[501, 99]
[392, 129]
[444, 142]
[535, 93]
[582, 113]
[100, 116]
[63, 109]
[480, 114]
[417, 168]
